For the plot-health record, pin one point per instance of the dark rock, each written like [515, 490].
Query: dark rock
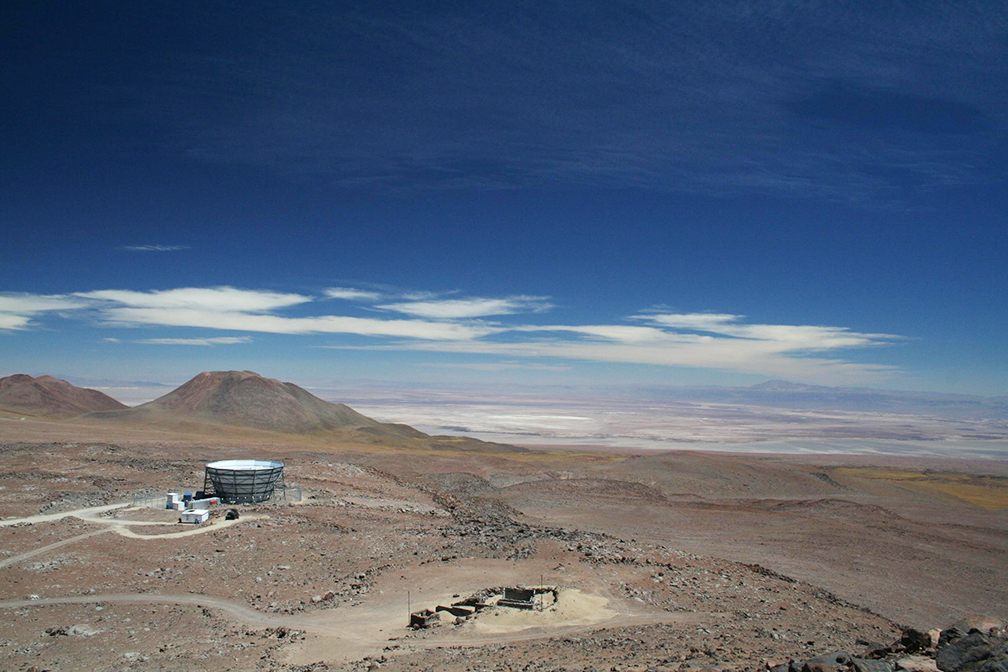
[914, 640]
[835, 659]
[950, 634]
[975, 652]
[864, 665]
[818, 667]
[877, 650]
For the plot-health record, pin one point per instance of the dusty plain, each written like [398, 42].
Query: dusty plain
[663, 560]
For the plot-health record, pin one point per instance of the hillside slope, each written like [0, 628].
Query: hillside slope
[50, 397]
[246, 399]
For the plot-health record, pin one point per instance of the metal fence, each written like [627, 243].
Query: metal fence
[151, 499]
[290, 493]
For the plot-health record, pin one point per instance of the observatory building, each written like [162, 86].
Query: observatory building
[243, 481]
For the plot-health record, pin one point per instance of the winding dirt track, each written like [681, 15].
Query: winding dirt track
[119, 526]
[242, 613]
[51, 547]
[89, 514]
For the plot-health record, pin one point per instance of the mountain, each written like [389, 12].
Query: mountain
[785, 386]
[50, 397]
[799, 396]
[246, 399]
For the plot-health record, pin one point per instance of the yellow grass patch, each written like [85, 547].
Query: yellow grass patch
[987, 492]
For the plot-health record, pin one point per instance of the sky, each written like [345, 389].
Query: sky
[501, 196]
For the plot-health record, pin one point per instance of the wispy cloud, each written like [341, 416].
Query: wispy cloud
[153, 248]
[223, 299]
[351, 294]
[781, 337]
[455, 325]
[219, 340]
[30, 304]
[277, 324]
[611, 332]
[17, 309]
[448, 309]
[9, 322]
[702, 352]
[837, 102]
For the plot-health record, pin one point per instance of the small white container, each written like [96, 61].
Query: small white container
[196, 516]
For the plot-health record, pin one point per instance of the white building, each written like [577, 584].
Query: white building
[196, 516]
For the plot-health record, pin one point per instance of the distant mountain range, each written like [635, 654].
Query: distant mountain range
[49, 397]
[798, 396]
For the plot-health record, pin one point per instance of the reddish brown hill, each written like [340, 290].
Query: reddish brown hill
[246, 399]
[50, 397]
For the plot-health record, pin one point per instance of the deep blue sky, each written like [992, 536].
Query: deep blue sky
[572, 194]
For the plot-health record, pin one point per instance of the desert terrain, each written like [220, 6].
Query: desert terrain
[665, 560]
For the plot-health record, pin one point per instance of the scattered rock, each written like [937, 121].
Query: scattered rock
[975, 652]
[916, 664]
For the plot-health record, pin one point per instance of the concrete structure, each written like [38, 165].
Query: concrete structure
[242, 481]
[196, 516]
[460, 610]
[518, 598]
[424, 619]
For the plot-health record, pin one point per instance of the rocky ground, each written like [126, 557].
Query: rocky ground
[324, 583]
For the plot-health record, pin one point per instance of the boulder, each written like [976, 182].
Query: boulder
[914, 640]
[975, 652]
[877, 650]
[916, 664]
[951, 634]
[868, 665]
[835, 659]
[818, 667]
[829, 662]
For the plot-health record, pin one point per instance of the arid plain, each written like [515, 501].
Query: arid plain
[686, 559]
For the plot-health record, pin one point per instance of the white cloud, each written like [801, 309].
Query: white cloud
[611, 332]
[153, 248]
[30, 304]
[696, 321]
[700, 340]
[10, 322]
[451, 309]
[16, 309]
[276, 324]
[778, 337]
[111, 340]
[219, 340]
[351, 294]
[229, 299]
[703, 352]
